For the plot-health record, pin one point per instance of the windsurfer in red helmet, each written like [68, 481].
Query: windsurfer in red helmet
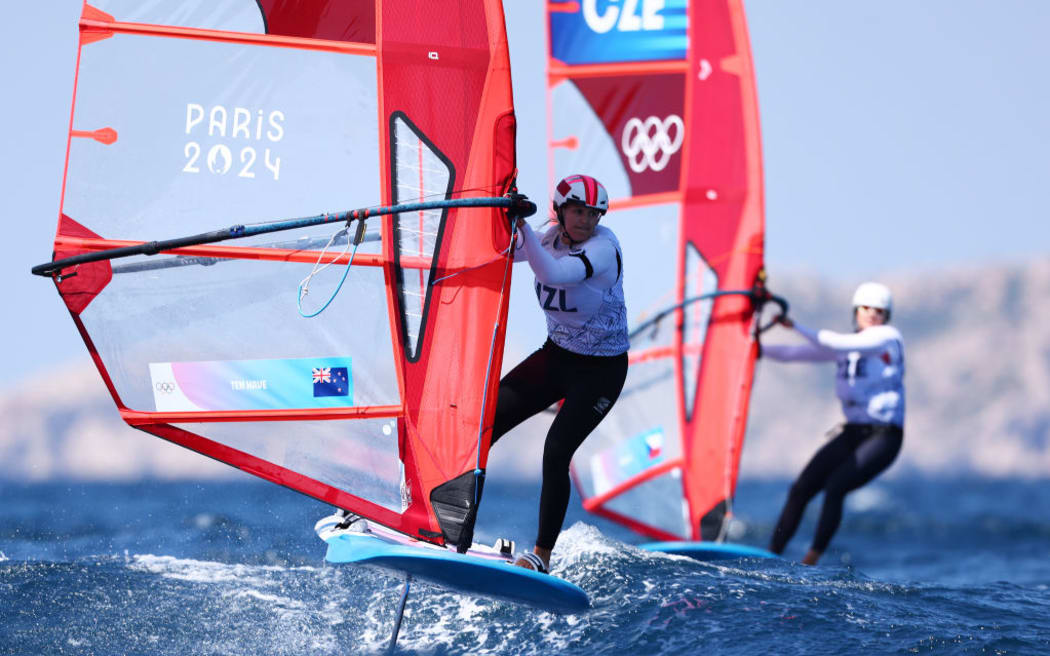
[579, 284]
[870, 386]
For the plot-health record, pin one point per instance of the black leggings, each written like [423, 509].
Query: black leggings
[855, 456]
[589, 385]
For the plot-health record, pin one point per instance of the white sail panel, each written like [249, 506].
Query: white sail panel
[657, 502]
[700, 279]
[359, 455]
[581, 144]
[242, 16]
[270, 133]
[240, 310]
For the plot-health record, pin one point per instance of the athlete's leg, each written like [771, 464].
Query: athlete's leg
[871, 457]
[806, 486]
[592, 393]
[528, 389]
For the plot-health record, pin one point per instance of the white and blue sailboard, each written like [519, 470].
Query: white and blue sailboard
[481, 571]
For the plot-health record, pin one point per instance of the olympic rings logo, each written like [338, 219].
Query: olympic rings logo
[165, 388]
[649, 144]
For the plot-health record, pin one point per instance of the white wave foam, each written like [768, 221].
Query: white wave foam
[303, 608]
[202, 571]
[276, 600]
[584, 541]
[445, 621]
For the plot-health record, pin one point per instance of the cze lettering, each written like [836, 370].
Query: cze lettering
[624, 15]
[551, 293]
[217, 125]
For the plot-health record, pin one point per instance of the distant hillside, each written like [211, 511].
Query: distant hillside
[978, 384]
[64, 425]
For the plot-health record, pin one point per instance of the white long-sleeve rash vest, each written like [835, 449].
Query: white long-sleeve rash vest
[870, 377]
[580, 289]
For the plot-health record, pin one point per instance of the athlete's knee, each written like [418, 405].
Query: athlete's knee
[835, 492]
[556, 460]
[841, 485]
[562, 442]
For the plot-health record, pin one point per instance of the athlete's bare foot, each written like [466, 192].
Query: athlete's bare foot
[811, 557]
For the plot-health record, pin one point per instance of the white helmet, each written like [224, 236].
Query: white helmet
[873, 294]
[581, 189]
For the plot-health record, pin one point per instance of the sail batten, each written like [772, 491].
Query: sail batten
[140, 418]
[117, 27]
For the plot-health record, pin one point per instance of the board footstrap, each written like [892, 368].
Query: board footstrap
[535, 561]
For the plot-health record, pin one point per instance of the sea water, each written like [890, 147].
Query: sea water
[918, 565]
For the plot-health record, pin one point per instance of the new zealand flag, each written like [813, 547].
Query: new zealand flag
[330, 381]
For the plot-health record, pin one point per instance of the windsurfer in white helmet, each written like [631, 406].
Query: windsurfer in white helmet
[579, 285]
[870, 386]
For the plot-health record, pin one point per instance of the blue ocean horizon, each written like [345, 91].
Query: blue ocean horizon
[918, 565]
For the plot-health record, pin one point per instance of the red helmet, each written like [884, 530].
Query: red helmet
[581, 189]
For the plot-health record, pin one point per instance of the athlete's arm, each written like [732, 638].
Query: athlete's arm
[567, 270]
[797, 353]
[518, 248]
[869, 341]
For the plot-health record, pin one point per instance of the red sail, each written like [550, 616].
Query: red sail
[657, 100]
[217, 113]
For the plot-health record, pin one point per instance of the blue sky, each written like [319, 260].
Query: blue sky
[898, 135]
